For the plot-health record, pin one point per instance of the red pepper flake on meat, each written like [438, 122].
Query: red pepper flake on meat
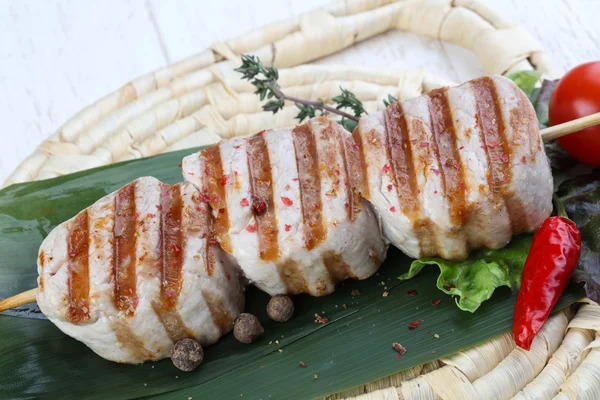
[347, 205]
[386, 168]
[259, 206]
[244, 202]
[137, 215]
[287, 201]
[435, 171]
[393, 209]
[228, 276]
[221, 211]
[198, 208]
[414, 325]
[435, 302]
[72, 254]
[237, 146]
[224, 180]
[389, 187]
[320, 320]
[159, 207]
[205, 198]
[288, 227]
[176, 249]
[251, 228]
[296, 179]
[412, 293]
[524, 159]
[504, 158]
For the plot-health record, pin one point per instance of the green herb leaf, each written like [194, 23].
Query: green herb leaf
[581, 198]
[475, 279]
[390, 99]
[526, 80]
[306, 111]
[273, 105]
[348, 124]
[348, 100]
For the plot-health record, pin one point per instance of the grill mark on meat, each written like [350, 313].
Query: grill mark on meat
[452, 170]
[41, 261]
[78, 267]
[400, 159]
[124, 246]
[261, 189]
[529, 121]
[307, 162]
[402, 169]
[214, 173]
[172, 322]
[337, 268]
[218, 311]
[129, 340]
[292, 278]
[172, 244]
[171, 250]
[496, 146]
[351, 173]
[358, 147]
[201, 222]
[424, 231]
[328, 161]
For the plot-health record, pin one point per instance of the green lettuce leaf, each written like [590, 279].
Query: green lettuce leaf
[475, 279]
[526, 80]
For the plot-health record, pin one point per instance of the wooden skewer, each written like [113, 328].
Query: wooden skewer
[561, 130]
[547, 134]
[18, 300]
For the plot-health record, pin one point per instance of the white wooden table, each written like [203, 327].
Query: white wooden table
[57, 56]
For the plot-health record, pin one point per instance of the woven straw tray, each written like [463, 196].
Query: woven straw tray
[201, 100]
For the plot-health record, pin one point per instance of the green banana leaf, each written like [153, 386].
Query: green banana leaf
[353, 348]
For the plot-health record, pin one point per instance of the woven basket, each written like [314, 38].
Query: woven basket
[201, 100]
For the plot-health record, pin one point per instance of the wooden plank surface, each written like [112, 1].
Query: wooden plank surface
[57, 56]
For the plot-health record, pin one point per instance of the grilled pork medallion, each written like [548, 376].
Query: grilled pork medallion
[457, 169]
[137, 271]
[287, 206]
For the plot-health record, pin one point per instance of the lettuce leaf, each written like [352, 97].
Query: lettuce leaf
[475, 279]
[581, 198]
[526, 80]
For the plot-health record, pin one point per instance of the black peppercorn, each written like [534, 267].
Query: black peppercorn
[247, 328]
[280, 308]
[187, 354]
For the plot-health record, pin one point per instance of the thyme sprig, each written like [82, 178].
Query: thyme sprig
[265, 79]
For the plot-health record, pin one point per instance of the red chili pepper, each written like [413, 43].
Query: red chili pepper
[549, 266]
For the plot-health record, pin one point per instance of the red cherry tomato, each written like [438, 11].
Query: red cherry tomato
[578, 95]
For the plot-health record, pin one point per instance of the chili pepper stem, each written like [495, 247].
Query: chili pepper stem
[560, 209]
